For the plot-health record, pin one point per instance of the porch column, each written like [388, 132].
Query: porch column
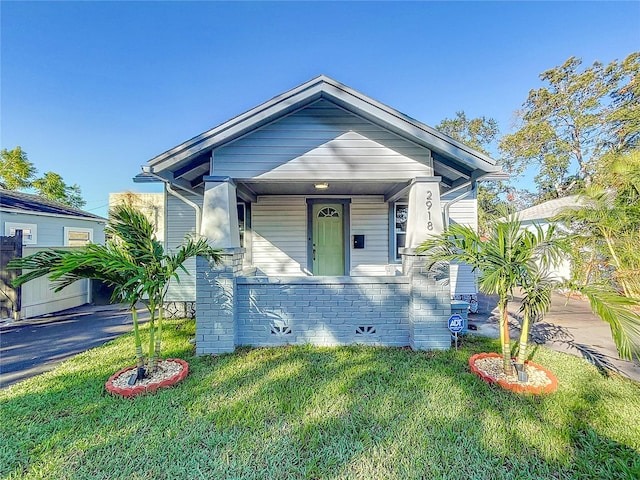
[216, 284]
[429, 303]
[220, 213]
[216, 288]
[424, 212]
[430, 293]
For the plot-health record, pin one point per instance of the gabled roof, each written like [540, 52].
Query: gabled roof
[27, 203]
[445, 149]
[550, 208]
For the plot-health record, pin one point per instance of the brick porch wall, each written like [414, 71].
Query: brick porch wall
[232, 309]
[322, 310]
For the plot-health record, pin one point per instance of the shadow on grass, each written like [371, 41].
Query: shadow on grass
[306, 412]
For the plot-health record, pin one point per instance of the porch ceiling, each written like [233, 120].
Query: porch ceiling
[307, 187]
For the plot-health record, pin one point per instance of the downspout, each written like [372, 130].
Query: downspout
[191, 203]
[169, 186]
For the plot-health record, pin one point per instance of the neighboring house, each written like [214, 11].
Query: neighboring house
[151, 204]
[542, 214]
[318, 198]
[44, 225]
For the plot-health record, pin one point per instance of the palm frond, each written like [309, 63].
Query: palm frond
[617, 311]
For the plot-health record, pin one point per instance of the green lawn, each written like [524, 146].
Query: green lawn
[306, 412]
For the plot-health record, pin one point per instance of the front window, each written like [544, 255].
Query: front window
[244, 227]
[400, 227]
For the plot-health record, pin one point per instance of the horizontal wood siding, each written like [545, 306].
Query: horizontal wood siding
[463, 279]
[370, 217]
[325, 142]
[279, 229]
[180, 221]
[50, 230]
[465, 212]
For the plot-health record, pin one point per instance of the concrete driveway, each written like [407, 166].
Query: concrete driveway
[569, 327]
[33, 346]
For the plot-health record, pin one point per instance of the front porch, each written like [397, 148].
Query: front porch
[234, 309]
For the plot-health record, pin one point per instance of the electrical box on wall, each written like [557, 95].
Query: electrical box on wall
[358, 241]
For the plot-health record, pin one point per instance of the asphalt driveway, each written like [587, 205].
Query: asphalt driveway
[37, 345]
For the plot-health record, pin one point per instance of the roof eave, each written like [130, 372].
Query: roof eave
[96, 219]
[311, 91]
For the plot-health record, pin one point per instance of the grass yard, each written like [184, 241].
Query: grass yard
[306, 412]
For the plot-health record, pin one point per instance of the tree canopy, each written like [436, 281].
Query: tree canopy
[17, 172]
[579, 117]
[478, 133]
[481, 134]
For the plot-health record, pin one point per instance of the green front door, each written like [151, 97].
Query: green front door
[328, 239]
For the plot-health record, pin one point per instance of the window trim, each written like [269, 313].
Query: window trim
[393, 238]
[247, 236]
[68, 230]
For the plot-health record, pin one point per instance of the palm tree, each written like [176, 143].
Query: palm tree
[132, 260]
[504, 261]
[536, 302]
[619, 311]
[514, 257]
[608, 231]
[109, 263]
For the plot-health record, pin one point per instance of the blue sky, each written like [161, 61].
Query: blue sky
[92, 90]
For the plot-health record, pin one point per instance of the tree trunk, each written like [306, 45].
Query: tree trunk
[505, 338]
[152, 335]
[156, 352]
[524, 340]
[623, 284]
[137, 339]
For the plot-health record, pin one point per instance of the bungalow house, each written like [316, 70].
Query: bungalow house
[42, 224]
[318, 199]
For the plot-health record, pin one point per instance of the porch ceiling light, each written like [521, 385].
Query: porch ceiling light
[321, 186]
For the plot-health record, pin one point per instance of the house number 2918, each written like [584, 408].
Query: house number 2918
[429, 205]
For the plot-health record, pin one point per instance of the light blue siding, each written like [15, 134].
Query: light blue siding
[463, 278]
[180, 222]
[38, 296]
[322, 141]
[279, 245]
[370, 217]
[50, 229]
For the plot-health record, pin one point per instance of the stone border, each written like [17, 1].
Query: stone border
[514, 387]
[152, 387]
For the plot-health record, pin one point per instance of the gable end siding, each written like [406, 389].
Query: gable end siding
[322, 141]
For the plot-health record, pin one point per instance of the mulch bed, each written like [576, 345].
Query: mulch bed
[168, 373]
[488, 366]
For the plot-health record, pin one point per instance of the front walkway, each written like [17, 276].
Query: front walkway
[569, 327]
